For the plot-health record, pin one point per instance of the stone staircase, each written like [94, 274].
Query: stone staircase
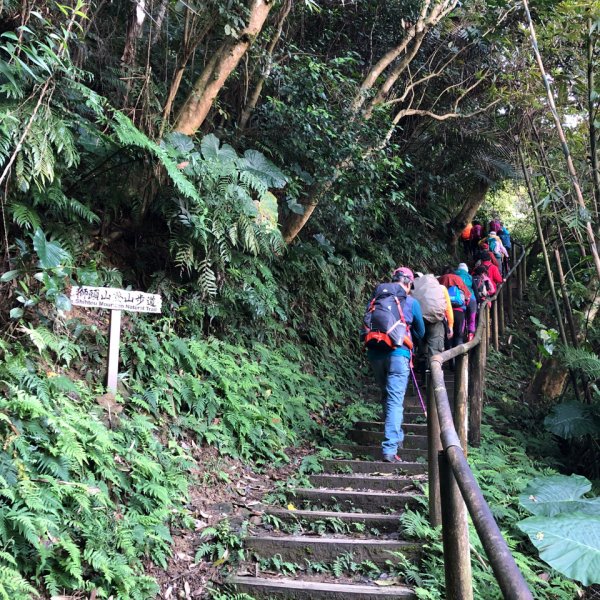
[361, 495]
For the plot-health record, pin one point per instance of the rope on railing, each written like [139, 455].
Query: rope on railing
[453, 489]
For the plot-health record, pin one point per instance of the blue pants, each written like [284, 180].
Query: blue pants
[391, 373]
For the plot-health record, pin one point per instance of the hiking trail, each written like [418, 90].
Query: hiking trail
[350, 517]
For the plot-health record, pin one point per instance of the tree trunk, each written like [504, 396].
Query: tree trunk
[548, 382]
[225, 59]
[467, 212]
[294, 222]
[257, 91]
[160, 19]
[134, 31]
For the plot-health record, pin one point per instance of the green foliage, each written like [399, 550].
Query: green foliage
[565, 527]
[83, 504]
[277, 564]
[503, 472]
[250, 401]
[573, 420]
[223, 545]
[237, 212]
[555, 494]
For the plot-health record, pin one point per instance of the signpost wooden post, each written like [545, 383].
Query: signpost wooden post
[115, 300]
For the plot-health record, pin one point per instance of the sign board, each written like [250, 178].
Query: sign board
[115, 299]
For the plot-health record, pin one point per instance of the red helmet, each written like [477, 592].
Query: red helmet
[403, 273]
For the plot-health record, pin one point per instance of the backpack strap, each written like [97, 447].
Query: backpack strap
[407, 340]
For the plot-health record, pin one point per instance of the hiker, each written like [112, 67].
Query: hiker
[483, 286]
[438, 316]
[495, 225]
[392, 320]
[484, 247]
[465, 237]
[459, 299]
[476, 235]
[498, 250]
[471, 313]
[504, 235]
[492, 269]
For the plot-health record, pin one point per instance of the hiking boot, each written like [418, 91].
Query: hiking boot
[391, 458]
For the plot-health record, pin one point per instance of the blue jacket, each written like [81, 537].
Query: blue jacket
[466, 277]
[504, 235]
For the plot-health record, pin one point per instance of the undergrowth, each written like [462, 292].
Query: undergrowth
[502, 470]
[92, 483]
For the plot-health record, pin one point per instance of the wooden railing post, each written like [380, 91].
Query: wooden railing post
[500, 302]
[495, 338]
[434, 445]
[476, 366]
[519, 278]
[509, 299]
[455, 536]
[488, 323]
[461, 388]
[524, 272]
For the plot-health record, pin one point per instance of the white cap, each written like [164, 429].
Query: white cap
[463, 267]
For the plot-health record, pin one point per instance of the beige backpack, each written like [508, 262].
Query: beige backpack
[430, 294]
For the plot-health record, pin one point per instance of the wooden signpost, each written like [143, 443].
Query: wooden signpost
[115, 300]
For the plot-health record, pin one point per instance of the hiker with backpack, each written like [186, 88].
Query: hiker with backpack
[459, 298]
[492, 270]
[465, 237]
[484, 249]
[438, 316]
[471, 311]
[476, 235]
[483, 286]
[504, 236]
[392, 320]
[498, 250]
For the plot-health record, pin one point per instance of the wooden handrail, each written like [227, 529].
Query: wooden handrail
[453, 489]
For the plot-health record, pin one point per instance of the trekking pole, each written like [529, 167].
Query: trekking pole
[418, 390]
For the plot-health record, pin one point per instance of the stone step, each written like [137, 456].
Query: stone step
[349, 500]
[418, 428]
[367, 438]
[384, 523]
[297, 589]
[372, 467]
[362, 482]
[412, 415]
[374, 451]
[297, 548]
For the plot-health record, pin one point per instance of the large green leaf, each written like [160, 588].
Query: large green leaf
[51, 254]
[549, 496]
[570, 543]
[212, 149]
[260, 166]
[571, 420]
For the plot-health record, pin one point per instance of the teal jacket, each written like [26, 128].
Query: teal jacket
[464, 275]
